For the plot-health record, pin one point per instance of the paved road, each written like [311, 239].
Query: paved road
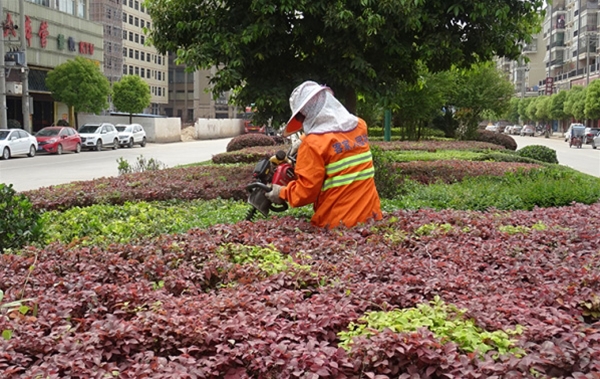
[44, 170]
[586, 159]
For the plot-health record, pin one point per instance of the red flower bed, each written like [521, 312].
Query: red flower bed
[451, 171]
[436, 145]
[178, 308]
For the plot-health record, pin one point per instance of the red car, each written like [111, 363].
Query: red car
[56, 139]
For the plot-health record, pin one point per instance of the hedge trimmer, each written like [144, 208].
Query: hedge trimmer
[278, 169]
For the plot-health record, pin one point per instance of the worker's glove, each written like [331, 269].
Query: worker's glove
[295, 146]
[273, 195]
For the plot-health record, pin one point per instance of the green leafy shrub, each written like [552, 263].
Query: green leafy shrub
[387, 181]
[550, 186]
[505, 156]
[20, 223]
[496, 138]
[539, 152]
[445, 321]
[249, 140]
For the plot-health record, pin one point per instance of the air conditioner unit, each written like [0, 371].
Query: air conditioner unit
[14, 88]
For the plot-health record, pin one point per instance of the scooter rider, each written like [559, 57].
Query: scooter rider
[334, 168]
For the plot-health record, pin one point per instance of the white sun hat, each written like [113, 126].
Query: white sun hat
[298, 99]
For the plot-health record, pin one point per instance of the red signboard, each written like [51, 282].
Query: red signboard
[549, 82]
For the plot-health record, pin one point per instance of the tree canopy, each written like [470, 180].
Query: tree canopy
[263, 49]
[131, 95]
[80, 84]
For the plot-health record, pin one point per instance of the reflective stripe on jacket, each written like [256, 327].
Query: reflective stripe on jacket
[335, 173]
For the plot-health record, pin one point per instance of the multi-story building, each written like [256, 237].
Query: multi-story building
[139, 57]
[571, 39]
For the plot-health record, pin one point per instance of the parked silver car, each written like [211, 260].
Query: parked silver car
[131, 134]
[16, 142]
[94, 136]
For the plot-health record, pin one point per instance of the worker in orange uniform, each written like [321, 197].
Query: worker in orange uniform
[334, 168]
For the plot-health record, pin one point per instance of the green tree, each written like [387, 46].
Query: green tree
[478, 89]
[263, 49]
[523, 105]
[131, 95]
[80, 84]
[512, 114]
[557, 111]
[415, 105]
[575, 103]
[592, 100]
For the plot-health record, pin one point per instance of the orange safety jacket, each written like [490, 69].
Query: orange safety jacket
[335, 173]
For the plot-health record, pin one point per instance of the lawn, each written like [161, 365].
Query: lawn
[482, 267]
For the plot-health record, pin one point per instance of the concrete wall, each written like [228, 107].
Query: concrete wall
[158, 130]
[211, 128]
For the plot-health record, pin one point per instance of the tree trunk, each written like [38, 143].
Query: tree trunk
[130, 118]
[76, 121]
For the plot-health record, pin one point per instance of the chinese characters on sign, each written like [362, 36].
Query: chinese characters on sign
[43, 32]
[9, 26]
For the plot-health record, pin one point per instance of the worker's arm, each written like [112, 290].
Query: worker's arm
[310, 173]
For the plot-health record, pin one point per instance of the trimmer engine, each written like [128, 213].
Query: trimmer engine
[278, 169]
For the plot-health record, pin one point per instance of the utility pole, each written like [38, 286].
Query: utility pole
[24, 70]
[3, 118]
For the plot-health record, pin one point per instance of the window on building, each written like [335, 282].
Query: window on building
[142, 56]
[130, 53]
[137, 38]
[66, 6]
[148, 73]
[142, 72]
[124, 69]
[124, 34]
[131, 36]
[137, 54]
[142, 23]
[130, 20]
[130, 70]
[159, 59]
[137, 22]
[130, 3]
[109, 47]
[137, 5]
[81, 8]
[124, 17]
[148, 24]
[137, 71]
[125, 52]
[108, 13]
[142, 39]
[148, 57]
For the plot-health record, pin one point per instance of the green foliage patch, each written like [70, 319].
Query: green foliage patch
[551, 186]
[105, 224]
[539, 152]
[20, 223]
[445, 321]
[269, 259]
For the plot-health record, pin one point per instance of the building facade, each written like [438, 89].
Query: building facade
[54, 32]
[571, 39]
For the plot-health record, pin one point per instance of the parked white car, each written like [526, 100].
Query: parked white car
[16, 142]
[96, 136]
[596, 141]
[131, 134]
